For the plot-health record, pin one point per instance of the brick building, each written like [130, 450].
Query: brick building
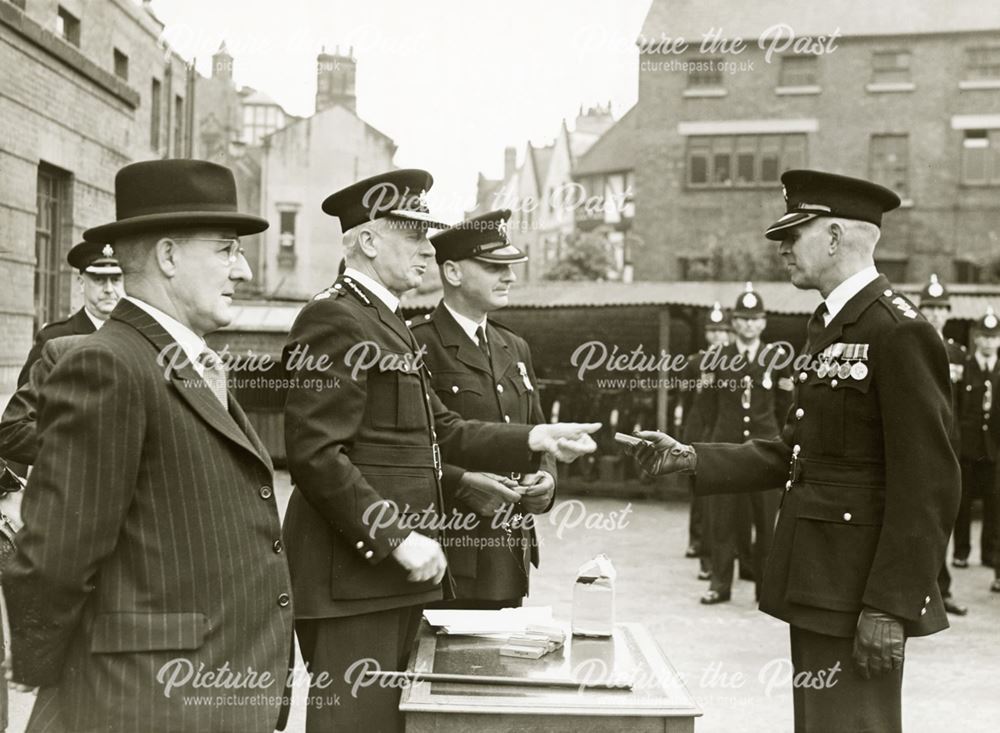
[85, 88]
[905, 93]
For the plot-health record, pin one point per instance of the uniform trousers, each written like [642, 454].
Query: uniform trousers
[978, 480]
[332, 645]
[730, 516]
[477, 604]
[851, 705]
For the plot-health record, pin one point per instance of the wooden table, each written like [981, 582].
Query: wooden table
[658, 700]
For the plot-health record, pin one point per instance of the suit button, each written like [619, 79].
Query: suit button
[265, 492]
[278, 547]
[369, 555]
[506, 418]
[847, 516]
[799, 414]
[360, 545]
[500, 388]
[284, 599]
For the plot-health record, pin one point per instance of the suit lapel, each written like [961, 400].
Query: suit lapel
[191, 387]
[452, 336]
[850, 313]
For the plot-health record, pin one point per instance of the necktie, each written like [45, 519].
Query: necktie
[215, 375]
[817, 323]
[483, 344]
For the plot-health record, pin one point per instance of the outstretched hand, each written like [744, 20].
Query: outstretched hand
[660, 454]
[564, 441]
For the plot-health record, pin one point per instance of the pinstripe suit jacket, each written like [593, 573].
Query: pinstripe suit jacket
[149, 540]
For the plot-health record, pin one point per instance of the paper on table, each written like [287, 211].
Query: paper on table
[469, 622]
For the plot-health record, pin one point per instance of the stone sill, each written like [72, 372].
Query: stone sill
[705, 93]
[896, 86]
[798, 91]
[971, 84]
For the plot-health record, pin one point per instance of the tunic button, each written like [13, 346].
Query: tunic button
[284, 599]
[927, 600]
[277, 546]
[834, 382]
[500, 388]
[799, 414]
[887, 293]
[847, 516]
[369, 555]
[265, 492]
[788, 485]
[746, 433]
[923, 611]
[803, 376]
[746, 418]
[454, 389]
[796, 449]
[506, 418]
[360, 545]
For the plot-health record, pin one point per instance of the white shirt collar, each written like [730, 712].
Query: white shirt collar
[93, 319]
[985, 364]
[748, 350]
[467, 324]
[841, 294]
[191, 343]
[378, 289]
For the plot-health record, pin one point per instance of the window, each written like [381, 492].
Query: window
[286, 229]
[52, 218]
[799, 71]
[178, 126]
[982, 63]
[121, 65]
[68, 26]
[890, 67]
[890, 162]
[154, 115]
[743, 161]
[704, 72]
[981, 158]
[966, 271]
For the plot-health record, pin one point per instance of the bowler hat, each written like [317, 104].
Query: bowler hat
[161, 194]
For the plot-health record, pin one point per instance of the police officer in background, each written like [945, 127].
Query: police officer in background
[100, 281]
[871, 479]
[980, 381]
[752, 389]
[935, 306]
[692, 419]
[482, 370]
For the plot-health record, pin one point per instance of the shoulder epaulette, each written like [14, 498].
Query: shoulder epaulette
[898, 304]
[419, 321]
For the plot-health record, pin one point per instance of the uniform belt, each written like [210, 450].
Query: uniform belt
[869, 475]
[380, 454]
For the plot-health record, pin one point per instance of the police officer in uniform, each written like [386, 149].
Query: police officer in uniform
[693, 420]
[100, 281]
[935, 306]
[365, 437]
[752, 391]
[483, 371]
[980, 381]
[871, 479]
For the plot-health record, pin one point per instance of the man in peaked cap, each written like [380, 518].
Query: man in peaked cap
[364, 523]
[100, 281]
[693, 420]
[935, 306]
[865, 517]
[151, 549]
[979, 401]
[753, 389]
[483, 371]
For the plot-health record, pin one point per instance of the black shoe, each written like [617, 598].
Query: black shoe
[958, 562]
[713, 597]
[704, 575]
[954, 608]
[691, 551]
[995, 586]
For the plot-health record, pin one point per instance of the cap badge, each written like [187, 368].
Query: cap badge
[990, 321]
[502, 231]
[749, 300]
[108, 251]
[935, 290]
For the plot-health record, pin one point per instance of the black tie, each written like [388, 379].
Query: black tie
[817, 323]
[483, 345]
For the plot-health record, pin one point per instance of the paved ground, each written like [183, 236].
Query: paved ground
[728, 653]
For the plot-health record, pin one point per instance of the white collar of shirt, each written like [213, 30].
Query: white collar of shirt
[986, 364]
[378, 289]
[191, 343]
[467, 324]
[749, 351]
[93, 319]
[841, 294]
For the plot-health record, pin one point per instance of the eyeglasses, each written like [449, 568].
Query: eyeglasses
[233, 249]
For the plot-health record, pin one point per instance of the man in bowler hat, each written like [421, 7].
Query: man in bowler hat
[482, 370]
[366, 436]
[151, 552]
[871, 481]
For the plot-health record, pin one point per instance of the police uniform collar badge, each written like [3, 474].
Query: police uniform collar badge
[522, 369]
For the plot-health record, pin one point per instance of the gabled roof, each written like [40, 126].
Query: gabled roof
[615, 150]
[541, 157]
[749, 20]
[293, 121]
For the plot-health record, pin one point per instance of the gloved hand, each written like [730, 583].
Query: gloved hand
[878, 643]
[661, 454]
[486, 493]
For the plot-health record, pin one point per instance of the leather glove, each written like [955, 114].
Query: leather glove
[660, 454]
[486, 493]
[878, 643]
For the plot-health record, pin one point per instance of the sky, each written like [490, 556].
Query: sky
[451, 82]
